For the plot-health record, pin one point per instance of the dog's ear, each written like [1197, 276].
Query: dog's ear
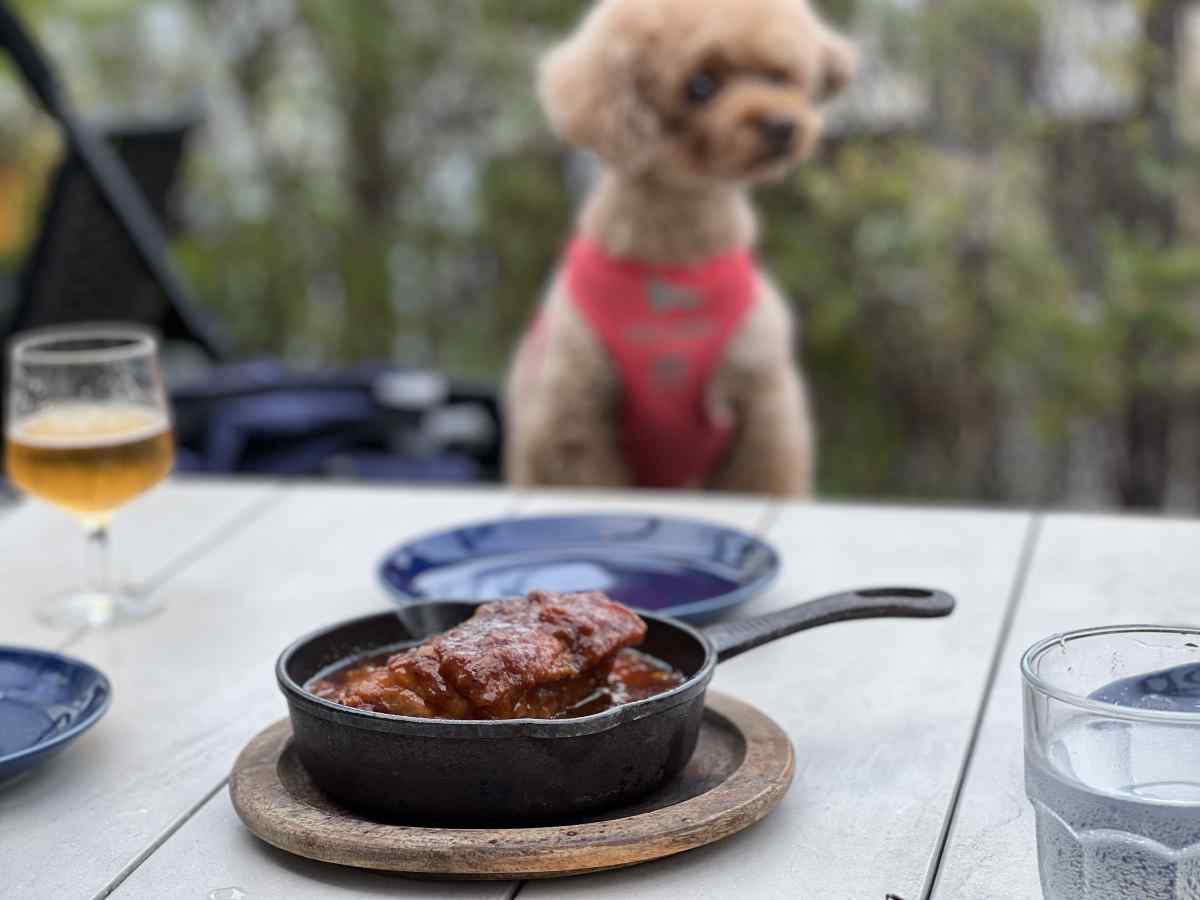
[839, 63]
[589, 89]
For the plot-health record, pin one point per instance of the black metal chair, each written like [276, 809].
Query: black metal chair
[371, 423]
[102, 252]
[83, 266]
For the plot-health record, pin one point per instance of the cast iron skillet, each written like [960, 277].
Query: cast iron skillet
[400, 768]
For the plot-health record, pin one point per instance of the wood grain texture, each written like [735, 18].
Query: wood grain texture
[1087, 571]
[880, 713]
[742, 767]
[214, 850]
[43, 551]
[193, 684]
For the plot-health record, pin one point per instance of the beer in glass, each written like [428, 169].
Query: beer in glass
[88, 430]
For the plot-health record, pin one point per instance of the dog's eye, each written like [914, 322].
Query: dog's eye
[702, 87]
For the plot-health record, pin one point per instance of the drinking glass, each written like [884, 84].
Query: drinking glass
[1112, 762]
[88, 430]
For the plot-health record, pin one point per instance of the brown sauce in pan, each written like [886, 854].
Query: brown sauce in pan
[633, 676]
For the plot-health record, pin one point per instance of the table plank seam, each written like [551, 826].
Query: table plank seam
[191, 554]
[161, 839]
[219, 535]
[766, 520]
[1024, 567]
[245, 518]
[763, 522]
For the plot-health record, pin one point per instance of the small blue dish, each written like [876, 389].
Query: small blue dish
[46, 701]
[684, 568]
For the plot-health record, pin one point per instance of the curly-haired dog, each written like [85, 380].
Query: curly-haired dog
[662, 356]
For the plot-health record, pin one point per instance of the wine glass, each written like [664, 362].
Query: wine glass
[88, 430]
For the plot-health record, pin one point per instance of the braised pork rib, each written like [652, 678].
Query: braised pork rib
[532, 657]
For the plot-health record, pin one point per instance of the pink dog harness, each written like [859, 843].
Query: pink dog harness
[666, 329]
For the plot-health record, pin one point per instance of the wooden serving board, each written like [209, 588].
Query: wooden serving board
[742, 767]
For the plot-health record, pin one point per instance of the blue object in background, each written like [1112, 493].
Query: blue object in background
[46, 701]
[371, 422]
[1171, 690]
[679, 567]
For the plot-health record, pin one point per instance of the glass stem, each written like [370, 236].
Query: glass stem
[101, 544]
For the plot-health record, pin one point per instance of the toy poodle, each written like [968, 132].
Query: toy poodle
[662, 355]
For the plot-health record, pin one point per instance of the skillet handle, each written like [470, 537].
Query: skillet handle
[734, 638]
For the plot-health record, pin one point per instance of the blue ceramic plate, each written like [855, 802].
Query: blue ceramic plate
[46, 701]
[679, 567]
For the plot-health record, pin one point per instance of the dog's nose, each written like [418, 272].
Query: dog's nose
[779, 133]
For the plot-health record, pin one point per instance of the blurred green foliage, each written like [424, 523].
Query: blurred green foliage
[999, 296]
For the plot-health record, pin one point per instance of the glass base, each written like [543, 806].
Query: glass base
[98, 609]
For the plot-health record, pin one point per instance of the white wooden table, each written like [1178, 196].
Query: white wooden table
[907, 733]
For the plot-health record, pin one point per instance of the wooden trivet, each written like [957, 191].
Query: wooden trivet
[742, 767]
